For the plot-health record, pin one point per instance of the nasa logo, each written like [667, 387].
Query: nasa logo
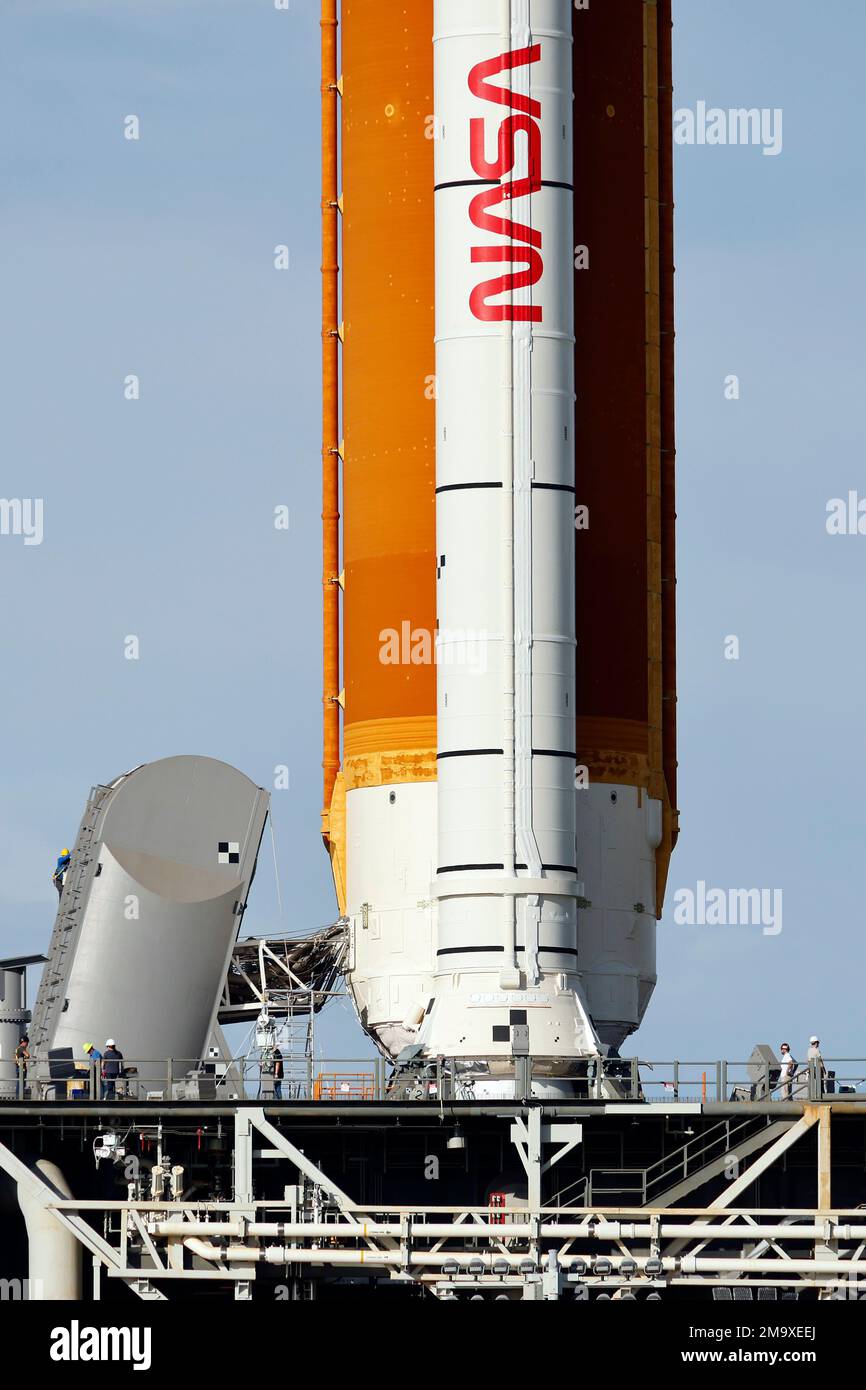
[522, 243]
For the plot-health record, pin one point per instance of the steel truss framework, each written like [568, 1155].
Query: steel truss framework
[546, 1241]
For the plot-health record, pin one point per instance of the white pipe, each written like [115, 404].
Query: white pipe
[218, 1254]
[289, 1230]
[692, 1264]
[54, 1272]
[509, 815]
[216, 1229]
[364, 1230]
[13, 1022]
[522, 523]
[509, 809]
[282, 1254]
[289, 1254]
[705, 1230]
[331, 1230]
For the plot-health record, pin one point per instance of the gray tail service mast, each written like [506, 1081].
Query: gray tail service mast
[151, 907]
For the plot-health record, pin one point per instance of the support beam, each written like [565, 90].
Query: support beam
[529, 1137]
[567, 1136]
[767, 1159]
[243, 1158]
[526, 1138]
[302, 1163]
[824, 1159]
[745, 1180]
[309, 1170]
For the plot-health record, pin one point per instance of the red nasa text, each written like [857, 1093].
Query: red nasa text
[521, 244]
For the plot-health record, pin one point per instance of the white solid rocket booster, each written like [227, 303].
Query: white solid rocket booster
[506, 882]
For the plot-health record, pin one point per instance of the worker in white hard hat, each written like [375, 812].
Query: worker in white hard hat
[786, 1071]
[60, 868]
[112, 1068]
[815, 1060]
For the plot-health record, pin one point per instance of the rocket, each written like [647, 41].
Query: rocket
[500, 792]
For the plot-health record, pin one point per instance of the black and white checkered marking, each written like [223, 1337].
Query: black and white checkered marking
[229, 852]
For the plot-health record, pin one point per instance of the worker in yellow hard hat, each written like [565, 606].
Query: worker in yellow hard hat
[94, 1057]
[60, 871]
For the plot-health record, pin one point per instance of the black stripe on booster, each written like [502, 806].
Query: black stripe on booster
[471, 487]
[467, 183]
[466, 868]
[466, 487]
[495, 183]
[546, 868]
[466, 950]
[469, 950]
[471, 753]
[553, 868]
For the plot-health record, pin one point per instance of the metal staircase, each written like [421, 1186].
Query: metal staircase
[52, 986]
[698, 1161]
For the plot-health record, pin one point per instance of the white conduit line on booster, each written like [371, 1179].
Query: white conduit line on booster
[522, 615]
[509, 689]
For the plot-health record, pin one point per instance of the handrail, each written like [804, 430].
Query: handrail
[701, 1143]
[345, 1085]
[460, 1080]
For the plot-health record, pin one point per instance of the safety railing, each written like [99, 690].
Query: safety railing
[123, 1078]
[248, 1077]
[344, 1086]
[723, 1080]
[438, 1080]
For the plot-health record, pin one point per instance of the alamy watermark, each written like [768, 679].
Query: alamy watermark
[846, 516]
[418, 646]
[77, 1343]
[22, 516]
[20, 1290]
[713, 125]
[729, 907]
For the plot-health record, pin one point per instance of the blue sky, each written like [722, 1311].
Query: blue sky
[156, 258]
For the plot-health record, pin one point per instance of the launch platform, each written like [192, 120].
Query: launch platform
[659, 1199]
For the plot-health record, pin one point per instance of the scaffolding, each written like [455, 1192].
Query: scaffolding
[280, 985]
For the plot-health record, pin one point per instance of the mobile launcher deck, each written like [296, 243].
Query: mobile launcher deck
[446, 1199]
